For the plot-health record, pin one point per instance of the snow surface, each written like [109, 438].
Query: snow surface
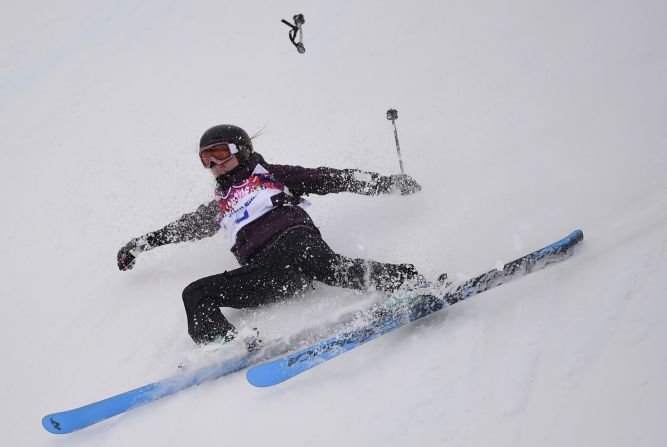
[523, 120]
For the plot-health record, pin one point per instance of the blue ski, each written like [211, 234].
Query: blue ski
[78, 418]
[384, 319]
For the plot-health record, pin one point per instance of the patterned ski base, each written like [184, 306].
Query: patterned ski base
[384, 319]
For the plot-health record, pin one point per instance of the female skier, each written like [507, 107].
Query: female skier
[278, 246]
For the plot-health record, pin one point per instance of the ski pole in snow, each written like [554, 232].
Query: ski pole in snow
[392, 115]
[294, 29]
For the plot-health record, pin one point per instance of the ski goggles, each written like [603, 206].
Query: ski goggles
[217, 153]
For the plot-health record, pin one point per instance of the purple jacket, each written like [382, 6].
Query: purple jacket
[257, 237]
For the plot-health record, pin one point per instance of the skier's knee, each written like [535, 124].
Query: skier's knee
[206, 323]
[191, 296]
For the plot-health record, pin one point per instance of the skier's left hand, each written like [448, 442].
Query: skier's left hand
[127, 256]
[404, 184]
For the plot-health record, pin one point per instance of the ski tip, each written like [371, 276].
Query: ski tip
[253, 380]
[569, 241]
[261, 377]
[566, 245]
[53, 425]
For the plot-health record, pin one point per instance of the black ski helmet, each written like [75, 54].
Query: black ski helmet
[228, 133]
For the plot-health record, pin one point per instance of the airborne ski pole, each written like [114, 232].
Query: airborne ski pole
[294, 29]
[392, 115]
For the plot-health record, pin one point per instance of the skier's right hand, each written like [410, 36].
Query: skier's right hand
[127, 256]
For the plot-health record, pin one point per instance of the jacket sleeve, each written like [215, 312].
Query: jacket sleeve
[302, 181]
[201, 223]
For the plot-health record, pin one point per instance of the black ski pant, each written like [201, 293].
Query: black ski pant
[298, 258]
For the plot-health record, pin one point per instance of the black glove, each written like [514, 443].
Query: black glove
[127, 255]
[390, 277]
[402, 183]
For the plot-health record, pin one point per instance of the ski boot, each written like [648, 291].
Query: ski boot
[416, 288]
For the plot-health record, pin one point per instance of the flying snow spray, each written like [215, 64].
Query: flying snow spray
[297, 27]
[392, 115]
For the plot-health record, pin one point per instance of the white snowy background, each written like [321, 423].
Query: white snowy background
[523, 120]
